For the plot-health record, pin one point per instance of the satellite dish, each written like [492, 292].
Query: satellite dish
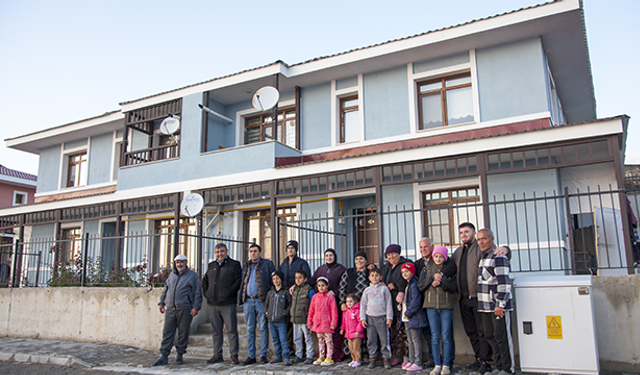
[192, 204]
[265, 98]
[169, 126]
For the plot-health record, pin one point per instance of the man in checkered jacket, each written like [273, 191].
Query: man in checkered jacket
[495, 302]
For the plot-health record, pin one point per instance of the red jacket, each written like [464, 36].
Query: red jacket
[351, 322]
[323, 313]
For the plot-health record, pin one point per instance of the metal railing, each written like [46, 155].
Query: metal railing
[150, 154]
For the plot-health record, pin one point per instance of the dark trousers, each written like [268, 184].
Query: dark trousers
[426, 332]
[228, 316]
[179, 319]
[498, 333]
[472, 323]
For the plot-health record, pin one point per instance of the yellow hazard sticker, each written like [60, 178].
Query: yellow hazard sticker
[554, 327]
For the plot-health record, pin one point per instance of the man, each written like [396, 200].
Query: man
[292, 264]
[254, 286]
[467, 257]
[392, 278]
[495, 303]
[220, 285]
[181, 299]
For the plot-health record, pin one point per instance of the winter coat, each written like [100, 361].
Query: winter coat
[300, 301]
[351, 322]
[276, 305]
[221, 283]
[290, 269]
[265, 268]
[415, 312]
[323, 313]
[473, 259]
[442, 296]
[333, 274]
[182, 291]
[393, 275]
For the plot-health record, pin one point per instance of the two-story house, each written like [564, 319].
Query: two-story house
[492, 121]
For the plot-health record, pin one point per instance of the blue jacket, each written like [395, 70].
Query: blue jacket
[290, 270]
[265, 269]
[182, 291]
[415, 312]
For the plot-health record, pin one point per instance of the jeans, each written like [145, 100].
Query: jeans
[279, 336]
[441, 324]
[302, 332]
[254, 309]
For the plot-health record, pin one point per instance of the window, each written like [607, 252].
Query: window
[260, 128]
[19, 198]
[445, 101]
[257, 229]
[445, 210]
[70, 245]
[164, 242]
[349, 119]
[77, 169]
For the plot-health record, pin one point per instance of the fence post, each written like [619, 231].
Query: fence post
[38, 267]
[85, 250]
[15, 265]
[567, 206]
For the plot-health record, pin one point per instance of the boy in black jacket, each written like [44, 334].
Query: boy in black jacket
[276, 307]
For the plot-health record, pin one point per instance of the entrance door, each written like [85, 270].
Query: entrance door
[257, 229]
[366, 227]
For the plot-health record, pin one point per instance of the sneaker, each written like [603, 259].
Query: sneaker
[264, 360]
[474, 366]
[276, 360]
[287, 362]
[318, 361]
[446, 370]
[234, 360]
[297, 360]
[386, 363]
[308, 361]
[372, 363]
[436, 370]
[413, 367]
[163, 360]
[485, 368]
[405, 365]
[351, 364]
[327, 362]
[179, 360]
[249, 361]
[215, 359]
[356, 364]
[394, 362]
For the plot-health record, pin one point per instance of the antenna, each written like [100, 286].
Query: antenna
[191, 205]
[265, 98]
[170, 126]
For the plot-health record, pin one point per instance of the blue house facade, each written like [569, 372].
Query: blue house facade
[492, 121]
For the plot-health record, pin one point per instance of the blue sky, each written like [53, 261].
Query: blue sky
[63, 61]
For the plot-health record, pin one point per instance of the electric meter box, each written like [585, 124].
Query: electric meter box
[556, 324]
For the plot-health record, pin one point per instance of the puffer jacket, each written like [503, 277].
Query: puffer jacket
[442, 296]
[323, 313]
[351, 322]
[290, 269]
[415, 313]
[300, 301]
[182, 291]
[276, 305]
[473, 259]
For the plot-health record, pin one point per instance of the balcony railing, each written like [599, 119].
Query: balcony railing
[151, 154]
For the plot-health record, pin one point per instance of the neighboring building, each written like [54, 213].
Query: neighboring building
[385, 143]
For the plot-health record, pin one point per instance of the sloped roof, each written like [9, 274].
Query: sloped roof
[15, 173]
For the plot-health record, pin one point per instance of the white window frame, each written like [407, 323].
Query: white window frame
[64, 165]
[241, 117]
[337, 95]
[21, 193]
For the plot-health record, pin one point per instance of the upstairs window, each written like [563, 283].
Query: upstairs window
[349, 119]
[19, 198]
[77, 169]
[445, 101]
[260, 128]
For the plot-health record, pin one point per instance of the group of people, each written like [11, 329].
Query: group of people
[376, 311]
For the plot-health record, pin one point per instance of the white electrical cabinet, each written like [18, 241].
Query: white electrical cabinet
[556, 324]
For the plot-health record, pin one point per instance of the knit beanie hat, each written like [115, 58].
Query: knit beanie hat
[441, 250]
[409, 266]
[393, 248]
[360, 254]
[293, 243]
[280, 274]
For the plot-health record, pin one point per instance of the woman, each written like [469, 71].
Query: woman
[354, 281]
[332, 271]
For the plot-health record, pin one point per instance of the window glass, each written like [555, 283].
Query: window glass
[349, 119]
[446, 101]
[431, 111]
[459, 106]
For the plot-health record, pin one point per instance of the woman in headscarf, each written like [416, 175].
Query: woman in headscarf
[333, 271]
[354, 281]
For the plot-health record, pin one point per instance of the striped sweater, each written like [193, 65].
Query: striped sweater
[494, 286]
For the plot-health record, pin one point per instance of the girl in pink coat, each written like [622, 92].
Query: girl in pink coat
[352, 329]
[323, 319]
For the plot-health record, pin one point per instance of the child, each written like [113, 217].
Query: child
[276, 307]
[439, 298]
[413, 317]
[300, 301]
[323, 319]
[376, 309]
[352, 329]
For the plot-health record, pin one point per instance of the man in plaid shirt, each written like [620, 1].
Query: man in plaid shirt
[494, 302]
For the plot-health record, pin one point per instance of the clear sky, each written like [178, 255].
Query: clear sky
[63, 61]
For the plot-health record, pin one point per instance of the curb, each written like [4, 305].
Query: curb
[45, 359]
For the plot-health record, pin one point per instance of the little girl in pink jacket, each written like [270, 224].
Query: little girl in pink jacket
[323, 319]
[352, 329]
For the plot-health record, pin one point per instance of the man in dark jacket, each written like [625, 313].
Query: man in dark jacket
[292, 264]
[181, 299]
[255, 283]
[220, 285]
